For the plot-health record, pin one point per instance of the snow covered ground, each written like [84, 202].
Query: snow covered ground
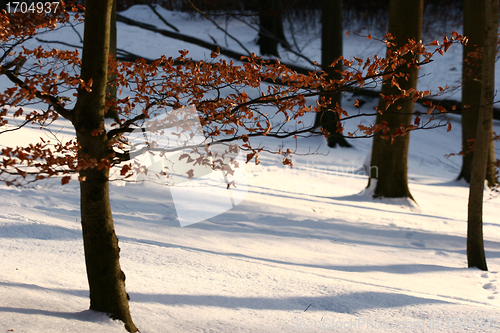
[305, 251]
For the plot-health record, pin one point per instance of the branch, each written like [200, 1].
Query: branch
[125, 127]
[58, 42]
[27, 121]
[199, 42]
[52, 100]
[289, 49]
[218, 27]
[162, 18]
[76, 31]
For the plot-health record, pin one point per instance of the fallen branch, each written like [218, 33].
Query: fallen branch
[193, 40]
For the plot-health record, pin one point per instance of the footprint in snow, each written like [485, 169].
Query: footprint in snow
[490, 286]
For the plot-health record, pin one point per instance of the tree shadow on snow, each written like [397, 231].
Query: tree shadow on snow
[349, 303]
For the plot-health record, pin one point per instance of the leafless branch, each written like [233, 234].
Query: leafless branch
[162, 18]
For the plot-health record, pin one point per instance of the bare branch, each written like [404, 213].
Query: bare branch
[219, 27]
[162, 18]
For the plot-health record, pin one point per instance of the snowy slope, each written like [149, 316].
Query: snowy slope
[306, 250]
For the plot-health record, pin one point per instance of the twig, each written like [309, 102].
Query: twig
[162, 18]
[220, 28]
[76, 31]
[298, 54]
[58, 42]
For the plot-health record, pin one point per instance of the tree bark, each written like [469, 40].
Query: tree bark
[389, 162]
[331, 49]
[112, 111]
[475, 244]
[271, 31]
[472, 85]
[105, 277]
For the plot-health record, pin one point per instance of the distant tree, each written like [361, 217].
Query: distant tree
[472, 86]
[271, 32]
[389, 159]
[331, 50]
[483, 138]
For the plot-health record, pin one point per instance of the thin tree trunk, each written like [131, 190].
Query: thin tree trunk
[331, 49]
[474, 14]
[105, 277]
[112, 111]
[271, 27]
[475, 244]
[389, 162]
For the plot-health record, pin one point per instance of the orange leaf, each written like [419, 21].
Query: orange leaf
[449, 127]
[65, 180]
[190, 173]
[447, 46]
[250, 156]
[125, 169]
[417, 120]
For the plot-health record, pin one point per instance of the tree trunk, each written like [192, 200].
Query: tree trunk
[106, 279]
[389, 162]
[331, 49]
[271, 27]
[489, 26]
[112, 111]
[474, 13]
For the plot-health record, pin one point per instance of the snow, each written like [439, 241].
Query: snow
[308, 249]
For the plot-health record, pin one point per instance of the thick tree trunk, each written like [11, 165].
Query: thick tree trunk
[475, 244]
[474, 14]
[271, 27]
[331, 49]
[389, 162]
[106, 279]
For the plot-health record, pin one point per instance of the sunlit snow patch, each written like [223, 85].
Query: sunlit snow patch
[205, 180]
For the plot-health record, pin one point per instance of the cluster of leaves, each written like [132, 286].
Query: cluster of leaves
[397, 60]
[235, 102]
